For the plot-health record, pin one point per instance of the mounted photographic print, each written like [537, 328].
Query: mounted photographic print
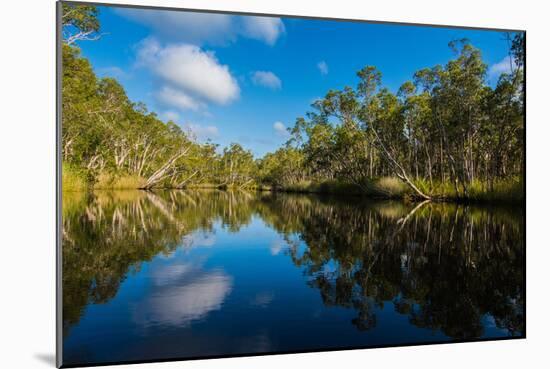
[246, 184]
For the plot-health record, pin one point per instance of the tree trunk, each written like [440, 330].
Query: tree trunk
[161, 173]
[398, 169]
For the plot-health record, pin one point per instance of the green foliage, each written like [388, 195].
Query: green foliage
[73, 179]
[447, 132]
[80, 22]
[237, 166]
[510, 190]
[119, 144]
[83, 17]
[283, 167]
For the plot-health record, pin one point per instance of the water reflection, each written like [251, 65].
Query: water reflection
[445, 266]
[451, 269]
[183, 293]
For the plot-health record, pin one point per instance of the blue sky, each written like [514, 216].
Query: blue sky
[245, 79]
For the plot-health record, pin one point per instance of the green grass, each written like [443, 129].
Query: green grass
[202, 185]
[107, 181]
[509, 190]
[325, 187]
[385, 187]
[73, 179]
[389, 187]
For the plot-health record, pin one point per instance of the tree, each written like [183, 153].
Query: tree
[381, 115]
[79, 22]
[237, 166]
[281, 168]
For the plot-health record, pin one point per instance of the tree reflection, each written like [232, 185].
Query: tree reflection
[107, 235]
[447, 267]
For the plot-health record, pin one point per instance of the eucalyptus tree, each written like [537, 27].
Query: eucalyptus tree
[80, 22]
[238, 167]
[381, 115]
[282, 167]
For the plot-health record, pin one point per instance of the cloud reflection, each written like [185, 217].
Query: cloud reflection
[182, 294]
[263, 299]
[276, 247]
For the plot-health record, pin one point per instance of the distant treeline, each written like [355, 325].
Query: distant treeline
[445, 134]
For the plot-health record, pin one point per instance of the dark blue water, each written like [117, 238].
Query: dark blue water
[194, 274]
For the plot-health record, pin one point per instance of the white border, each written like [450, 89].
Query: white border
[27, 181]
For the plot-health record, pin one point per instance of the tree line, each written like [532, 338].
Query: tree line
[446, 126]
[106, 136]
[445, 133]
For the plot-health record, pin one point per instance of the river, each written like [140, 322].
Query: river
[186, 274]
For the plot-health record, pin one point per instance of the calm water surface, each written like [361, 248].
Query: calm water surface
[178, 274]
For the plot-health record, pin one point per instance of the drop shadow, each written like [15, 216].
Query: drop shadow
[46, 358]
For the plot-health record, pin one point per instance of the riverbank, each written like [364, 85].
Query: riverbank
[509, 191]
[504, 191]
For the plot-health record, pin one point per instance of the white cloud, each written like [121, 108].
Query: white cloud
[267, 29]
[502, 66]
[201, 132]
[280, 129]
[189, 77]
[266, 79]
[200, 28]
[147, 50]
[114, 72]
[168, 96]
[323, 67]
[171, 115]
[183, 26]
[191, 69]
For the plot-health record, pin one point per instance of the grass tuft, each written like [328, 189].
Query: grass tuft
[107, 181]
[390, 187]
